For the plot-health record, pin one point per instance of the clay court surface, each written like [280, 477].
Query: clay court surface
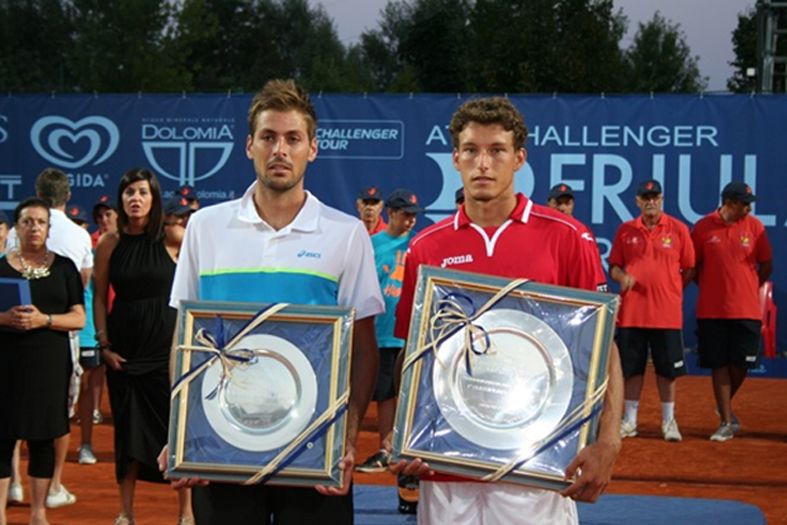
[751, 468]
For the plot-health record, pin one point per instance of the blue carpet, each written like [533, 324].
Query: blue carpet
[376, 505]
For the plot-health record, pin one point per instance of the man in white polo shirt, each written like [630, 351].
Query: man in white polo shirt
[68, 240]
[278, 243]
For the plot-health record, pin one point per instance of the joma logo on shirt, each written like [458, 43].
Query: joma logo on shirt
[456, 259]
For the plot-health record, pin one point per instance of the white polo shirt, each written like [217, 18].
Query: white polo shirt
[323, 256]
[65, 239]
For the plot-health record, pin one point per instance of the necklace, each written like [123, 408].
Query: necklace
[30, 273]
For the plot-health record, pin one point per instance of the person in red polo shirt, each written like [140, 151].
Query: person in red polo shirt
[499, 232]
[652, 259]
[733, 260]
[561, 198]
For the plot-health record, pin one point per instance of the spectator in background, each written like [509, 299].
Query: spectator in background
[652, 259]
[390, 246]
[105, 218]
[190, 194]
[4, 227]
[176, 216]
[370, 207]
[734, 259]
[136, 336]
[561, 198]
[77, 215]
[459, 197]
[71, 241]
[36, 361]
[89, 360]
[16, 493]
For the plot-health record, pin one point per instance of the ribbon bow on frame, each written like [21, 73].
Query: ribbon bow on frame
[451, 317]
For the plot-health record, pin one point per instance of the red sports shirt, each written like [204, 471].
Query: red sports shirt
[535, 243]
[601, 278]
[727, 257]
[655, 259]
[379, 227]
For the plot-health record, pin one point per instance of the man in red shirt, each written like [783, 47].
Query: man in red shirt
[499, 232]
[561, 198]
[652, 259]
[733, 260]
[370, 208]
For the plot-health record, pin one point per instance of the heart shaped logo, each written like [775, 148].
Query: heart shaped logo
[61, 141]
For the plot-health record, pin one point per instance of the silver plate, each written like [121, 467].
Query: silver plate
[267, 401]
[518, 391]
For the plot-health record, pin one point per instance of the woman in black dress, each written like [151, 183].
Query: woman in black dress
[35, 361]
[136, 337]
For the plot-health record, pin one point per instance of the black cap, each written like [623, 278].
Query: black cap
[177, 205]
[403, 199]
[187, 192]
[76, 213]
[370, 194]
[459, 196]
[4, 218]
[560, 190]
[647, 187]
[103, 202]
[738, 191]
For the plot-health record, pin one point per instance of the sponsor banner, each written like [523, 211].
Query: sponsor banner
[601, 146]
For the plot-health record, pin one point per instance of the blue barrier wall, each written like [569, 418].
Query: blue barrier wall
[602, 146]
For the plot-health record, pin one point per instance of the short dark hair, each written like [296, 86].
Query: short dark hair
[283, 95]
[492, 110]
[52, 186]
[30, 202]
[155, 225]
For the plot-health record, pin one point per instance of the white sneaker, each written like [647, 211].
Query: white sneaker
[60, 498]
[97, 417]
[725, 432]
[670, 431]
[86, 456]
[16, 494]
[628, 429]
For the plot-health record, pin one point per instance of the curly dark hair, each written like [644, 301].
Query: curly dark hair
[492, 110]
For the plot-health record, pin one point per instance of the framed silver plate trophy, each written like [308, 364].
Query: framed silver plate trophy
[502, 380]
[260, 393]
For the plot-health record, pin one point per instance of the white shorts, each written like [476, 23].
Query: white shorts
[469, 503]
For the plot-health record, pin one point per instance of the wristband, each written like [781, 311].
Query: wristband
[49, 320]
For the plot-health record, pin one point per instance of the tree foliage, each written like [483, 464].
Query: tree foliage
[660, 60]
[35, 38]
[565, 46]
[744, 45]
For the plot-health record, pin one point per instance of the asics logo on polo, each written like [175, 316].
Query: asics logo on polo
[456, 259]
[71, 145]
[310, 255]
